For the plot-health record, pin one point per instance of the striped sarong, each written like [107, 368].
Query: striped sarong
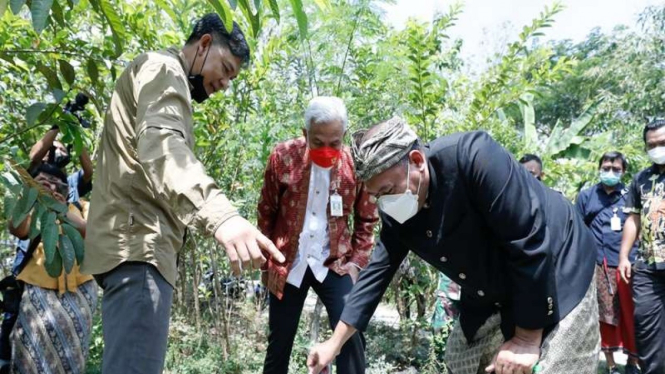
[52, 333]
[571, 347]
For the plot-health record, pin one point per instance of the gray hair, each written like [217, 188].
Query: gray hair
[325, 109]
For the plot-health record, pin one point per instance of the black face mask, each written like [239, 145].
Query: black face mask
[199, 93]
[58, 158]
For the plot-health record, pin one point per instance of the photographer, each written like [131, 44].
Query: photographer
[47, 151]
[54, 319]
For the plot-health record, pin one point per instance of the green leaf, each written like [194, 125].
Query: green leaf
[16, 5]
[54, 267]
[49, 112]
[560, 139]
[222, 8]
[168, 9]
[576, 151]
[9, 205]
[36, 220]
[55, 205]
[5, 56]
[59, 95]
[78, 140]
[3, 6]
[251, 17]
[66, 252]
[33, 112]
[40, 11]
[301, 17]
[274, 8]
[67, 71]
[31, 198]
[24, 205]
[56, 10]
[322, 4]
[49, 235]
[115, 22]
[11, 183]
[529, 120]
[77, 241]
[50, 75]
[93, 72]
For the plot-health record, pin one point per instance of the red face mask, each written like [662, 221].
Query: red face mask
[325, 157]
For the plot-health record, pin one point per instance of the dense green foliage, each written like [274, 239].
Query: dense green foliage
[569, 102]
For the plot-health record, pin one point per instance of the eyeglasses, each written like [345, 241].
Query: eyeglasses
[53, 184]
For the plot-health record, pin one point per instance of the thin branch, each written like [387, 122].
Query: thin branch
[54, 52]
[41, 123]
[348, 48]
[311, 72]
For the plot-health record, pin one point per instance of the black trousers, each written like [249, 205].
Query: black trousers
[649, 297]
[5, 332]
[285, 314]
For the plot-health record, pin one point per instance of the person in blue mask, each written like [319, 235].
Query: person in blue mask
[601, 206]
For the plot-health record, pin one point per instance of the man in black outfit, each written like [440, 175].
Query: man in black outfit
[521, 254]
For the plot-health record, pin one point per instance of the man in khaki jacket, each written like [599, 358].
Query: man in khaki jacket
[149, 187]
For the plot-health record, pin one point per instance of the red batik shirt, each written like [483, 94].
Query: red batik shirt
[283, 203]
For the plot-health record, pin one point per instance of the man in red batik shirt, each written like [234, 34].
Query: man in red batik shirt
[309, 193]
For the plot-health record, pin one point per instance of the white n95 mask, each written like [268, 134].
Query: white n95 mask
[401, 207]
[657, 155]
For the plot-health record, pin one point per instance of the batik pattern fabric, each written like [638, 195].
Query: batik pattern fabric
[609, 308]
[381, 150]
[646, 197]
[572, 346]
[282, 209]
[52, 333]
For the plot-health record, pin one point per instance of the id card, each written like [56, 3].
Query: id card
[615, 223]
[336, 206]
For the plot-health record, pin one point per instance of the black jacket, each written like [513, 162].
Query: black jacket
[514, 245]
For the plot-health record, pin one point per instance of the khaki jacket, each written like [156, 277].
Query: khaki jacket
[149, 186]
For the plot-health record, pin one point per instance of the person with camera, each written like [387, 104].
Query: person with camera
[47, 151]
[54, 316]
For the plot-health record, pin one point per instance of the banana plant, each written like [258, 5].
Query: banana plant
[567, 146]
[564, 141]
